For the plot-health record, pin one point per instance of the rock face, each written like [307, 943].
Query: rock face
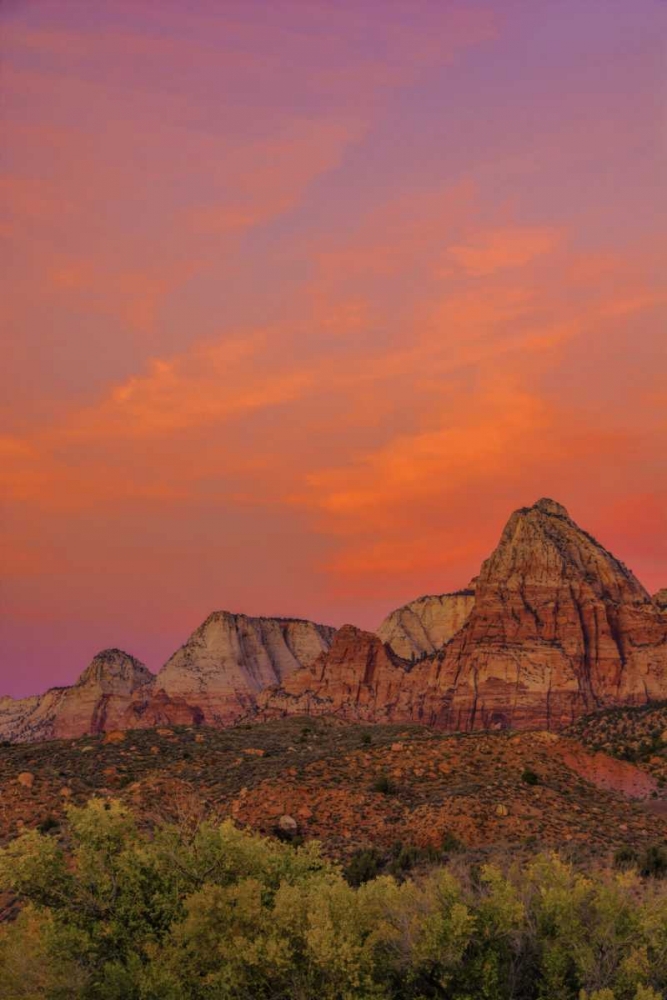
[359, 678]
[554, 627]
[559, 627]
[214, 678]
[427, 624]
[229, 659]
[98, 701]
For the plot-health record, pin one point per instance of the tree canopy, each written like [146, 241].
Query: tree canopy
[115, 911]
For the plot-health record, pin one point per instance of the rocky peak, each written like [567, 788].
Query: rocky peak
[359, 677]
[558, 627]
[547, 506]
[660, 598]
[542, 548]
[231, 657]
[426, 624]
[115, 672]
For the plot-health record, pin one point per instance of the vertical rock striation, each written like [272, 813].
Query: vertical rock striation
[425, 625]
[558, 627]
[230, 658]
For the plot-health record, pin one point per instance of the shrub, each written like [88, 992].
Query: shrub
[451, 844]
[166, 913]
[530, 777]
[653, 862]
[626, 857]
[363, 866]
[384, 785]
[48, 825]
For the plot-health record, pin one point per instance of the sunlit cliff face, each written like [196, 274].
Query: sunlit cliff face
[300, 300]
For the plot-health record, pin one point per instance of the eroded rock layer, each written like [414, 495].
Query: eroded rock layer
[214, 677]
[559, 627]
[427, 624]
[98, 701]
[229, 659]
[555, 627]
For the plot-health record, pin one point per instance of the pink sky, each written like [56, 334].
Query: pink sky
[300, 300]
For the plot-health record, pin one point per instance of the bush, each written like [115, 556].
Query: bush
[366, 739]
[363, 866]
[530, 777]
[216, 912]
[384, 785]
[626, 857]
[653, 862]
[48, 825]
[451, 844]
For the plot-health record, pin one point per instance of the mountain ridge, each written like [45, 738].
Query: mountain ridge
[554, 626]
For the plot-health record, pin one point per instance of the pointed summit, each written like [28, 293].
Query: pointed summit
[560, 626]
[115, 671]
[557, 627]
[547, 506]
[542, 549]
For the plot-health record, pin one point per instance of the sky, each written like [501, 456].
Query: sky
[299, 299]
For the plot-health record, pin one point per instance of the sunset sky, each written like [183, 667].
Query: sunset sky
[301, 299]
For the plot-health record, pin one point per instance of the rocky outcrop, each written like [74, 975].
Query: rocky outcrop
[559, 627]
[555, 627]
[425, 625]
[98, 701]
[359, 678]
[214, 678]
[229, 659]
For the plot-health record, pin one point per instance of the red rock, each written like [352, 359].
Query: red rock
[359, 678]
[553, 627]
[559, 627]
[606, 772]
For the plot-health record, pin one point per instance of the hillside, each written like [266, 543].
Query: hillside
[348, 785]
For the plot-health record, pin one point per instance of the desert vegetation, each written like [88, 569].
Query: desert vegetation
[112, 908]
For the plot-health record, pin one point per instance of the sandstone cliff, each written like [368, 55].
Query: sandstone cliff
[230, 658]
[556, 627]
[359, 678]
[559, 627]
[97, 701]
[424, 626]
[213, 678]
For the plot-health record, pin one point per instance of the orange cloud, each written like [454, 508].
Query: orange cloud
[500, 249]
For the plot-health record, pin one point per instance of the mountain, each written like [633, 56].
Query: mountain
[230, 658]
[96, 701]
[426, 624]
[360, 678]
[553, 627]
[214, 677]
[559, 627]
